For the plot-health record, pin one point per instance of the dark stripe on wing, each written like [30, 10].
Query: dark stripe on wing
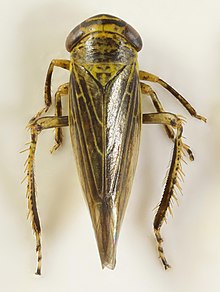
[89, 126]
[82, 121]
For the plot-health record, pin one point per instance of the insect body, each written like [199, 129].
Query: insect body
[105, 117]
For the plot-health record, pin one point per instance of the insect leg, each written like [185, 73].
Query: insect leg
[146, 89]
[36, 127]
[65, 64]
[62, 91]
[152, 78]
[174, 174]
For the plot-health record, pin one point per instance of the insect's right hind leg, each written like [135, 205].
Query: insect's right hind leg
[173, 177]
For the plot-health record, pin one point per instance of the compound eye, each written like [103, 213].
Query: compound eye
[74, 37]
[133, 37]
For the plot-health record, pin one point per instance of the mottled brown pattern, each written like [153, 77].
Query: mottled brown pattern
[104, 23]
[106, 148]
[105, 119]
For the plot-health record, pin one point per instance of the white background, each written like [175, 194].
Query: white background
[182, 46]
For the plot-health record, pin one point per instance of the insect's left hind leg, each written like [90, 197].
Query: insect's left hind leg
[174, 174]
[62, 91]
[36, 127]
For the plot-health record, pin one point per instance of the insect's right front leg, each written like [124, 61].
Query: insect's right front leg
[146, 76]
[36, 127]
[146, 89]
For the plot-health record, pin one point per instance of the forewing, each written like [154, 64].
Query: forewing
[86, 126]
[105, 126]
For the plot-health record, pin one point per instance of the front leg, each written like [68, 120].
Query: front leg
[146, 76]
[62, 91]
[36, 127]
[65, 64]
[146, 89]
[175, 173]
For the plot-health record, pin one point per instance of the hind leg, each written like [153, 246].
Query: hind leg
[36, 127]
[174, 174]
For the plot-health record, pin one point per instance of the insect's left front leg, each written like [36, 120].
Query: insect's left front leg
[65, 64]
[174, 174]
[36, 127]
[62, 91]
